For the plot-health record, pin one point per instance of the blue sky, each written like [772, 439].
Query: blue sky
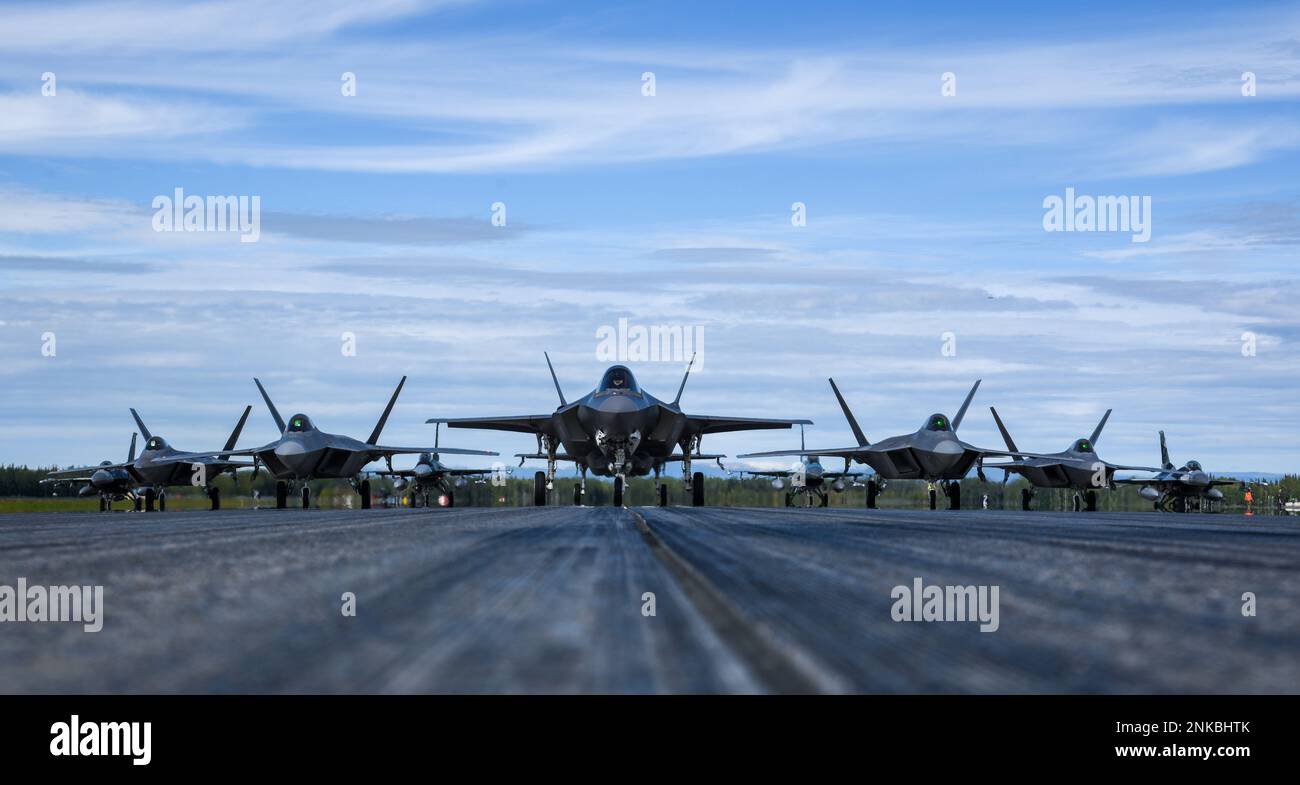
[924, 216]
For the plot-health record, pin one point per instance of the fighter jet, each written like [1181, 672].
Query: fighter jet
[1181, 490]
[112, 481]
[429, 476]
[159, 466]
[807, 478]
[933, 453]
[1077, 466]
[303, 452]
[618, 430]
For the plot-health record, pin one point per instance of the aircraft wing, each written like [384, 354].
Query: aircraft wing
[527, 423]
[77, 472]
[1119, 468]
[839, 452]
[385, 451]
[702, 424]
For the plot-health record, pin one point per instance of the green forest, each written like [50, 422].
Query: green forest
[18, 483]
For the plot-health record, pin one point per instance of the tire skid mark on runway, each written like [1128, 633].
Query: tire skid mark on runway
[1206, 644]
[780, 665]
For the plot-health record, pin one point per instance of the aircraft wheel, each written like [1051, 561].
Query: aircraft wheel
[103, 505]
[306, 497]
[577, 494]
[149, 498]
[1180, 504]
[1091, 499]
[214, 495]
[618, 491]
[138, 504]
[281, 495]
[697, 490]
[539, 489]
[826, 501]
[663, 495]
[789, 500]
[365, 494]
[1026, 499]
[954, 496]
[934, 499]
[1076, 503]
[162, 502]
[451, 498]
[873, 490]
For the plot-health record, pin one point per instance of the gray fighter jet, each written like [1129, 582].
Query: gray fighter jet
[618, 430]
[807, 478]
[112, 481]
[933, 453]
[430, 476]
[1078, 467]
[159, 466]
[304, 452]
[1181, 490]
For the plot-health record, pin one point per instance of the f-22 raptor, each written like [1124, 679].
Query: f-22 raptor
[304, 452]
[146, 478]
[1077, 466]
[618, 430]
[933, 453]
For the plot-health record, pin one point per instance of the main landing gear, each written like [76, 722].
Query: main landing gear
[873, 491]
[1026, 499]
[539, 489]
[618, 490]
[954, 495]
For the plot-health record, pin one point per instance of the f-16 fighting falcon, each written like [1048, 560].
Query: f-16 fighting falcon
[430, 475]
[1182, 490]
[303, 452]
[160, 465]
[618, 430]
[110, 480]
[933, 453]
[808, 478]
[1077, 467]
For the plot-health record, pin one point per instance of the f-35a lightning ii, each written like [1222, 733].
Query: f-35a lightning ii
[807, 478]
[430, 475]
[304, 452]
[1181, 490]
[933, 453]
[160, 465]
[618, 430]
[1077, 467]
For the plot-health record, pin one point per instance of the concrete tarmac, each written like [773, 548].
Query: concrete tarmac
[745, 600]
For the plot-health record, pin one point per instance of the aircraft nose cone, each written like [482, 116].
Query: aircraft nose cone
[949, 448]
[288, 449]
[423, 471]
[101, 478]
[616, 404]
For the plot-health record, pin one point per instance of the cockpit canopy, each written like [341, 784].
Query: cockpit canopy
[1083, 445]
[300, 422]
[619, 377]
[1194, 466]
[425, 457]
[156, 443]
[937, 422]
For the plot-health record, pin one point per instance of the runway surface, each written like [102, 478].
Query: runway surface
[551, 601]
